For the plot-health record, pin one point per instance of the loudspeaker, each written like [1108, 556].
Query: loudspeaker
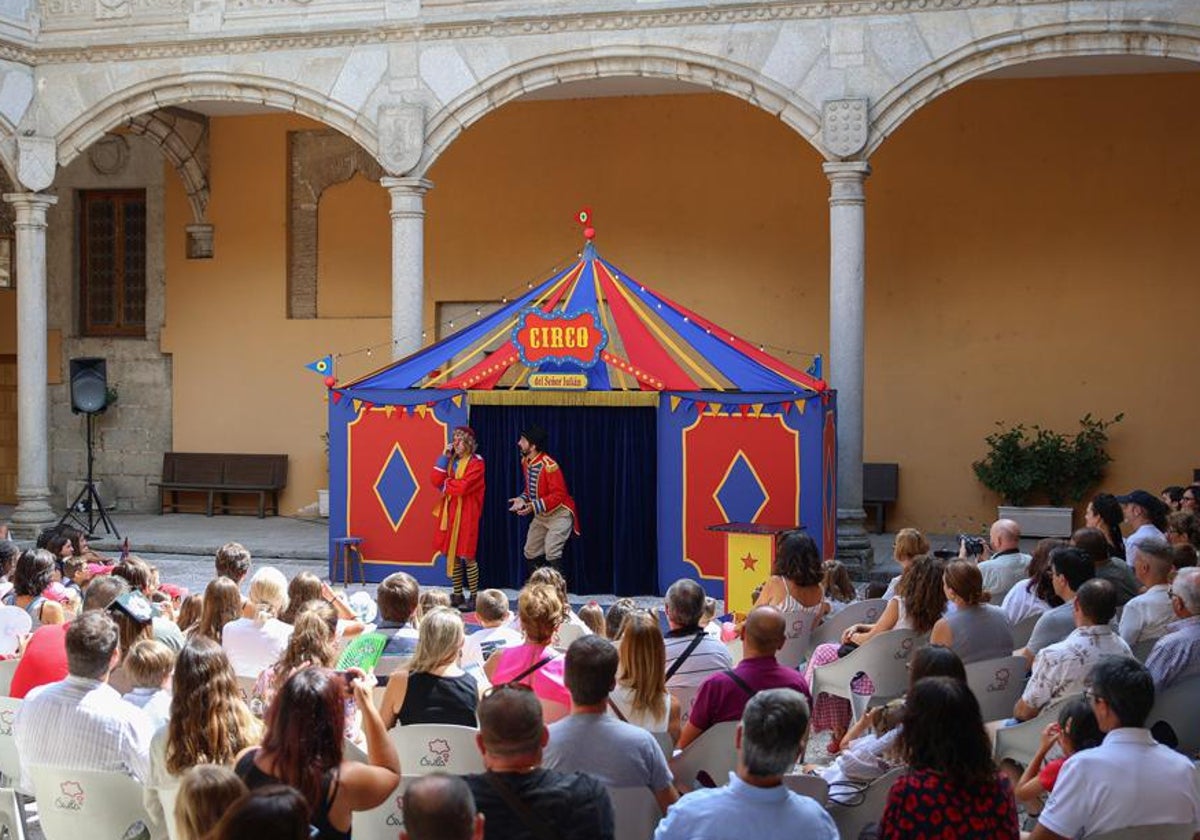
[89, 385]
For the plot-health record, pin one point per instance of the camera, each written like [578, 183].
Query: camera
[973, 546]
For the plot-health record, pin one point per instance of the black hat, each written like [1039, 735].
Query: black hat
[536, 435]
[1151, 503]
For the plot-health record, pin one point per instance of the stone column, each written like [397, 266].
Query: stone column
[408, 262]
[847, 256]
[33, 510]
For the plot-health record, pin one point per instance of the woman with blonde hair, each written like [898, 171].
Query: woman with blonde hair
[535, 663]
[222, 604]
[975, 629]
[210, 724]
[433, 688]
[641, 695]
[205, 793]
[909, 543]
[255, 644]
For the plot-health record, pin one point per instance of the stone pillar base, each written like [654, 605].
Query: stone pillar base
[31, 516]
[854, 549]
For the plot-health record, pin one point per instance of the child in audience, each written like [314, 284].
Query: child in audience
[491, 608]
[616, 615]
[149, 665]
[591, 615]
[431, 598]
[1075, 731]
[205, 793]
[75, 575]
[839, 589]
[708, 618]
[189, 611]
[870, 755]
[875, 589]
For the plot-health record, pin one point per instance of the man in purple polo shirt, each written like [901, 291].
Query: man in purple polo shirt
[724, 695]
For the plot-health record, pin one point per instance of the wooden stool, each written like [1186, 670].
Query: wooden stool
[348, 550]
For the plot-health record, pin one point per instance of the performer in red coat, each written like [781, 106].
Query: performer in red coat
[458, 474]
[545, 498]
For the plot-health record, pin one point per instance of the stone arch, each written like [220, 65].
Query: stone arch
[183, 138]
[704, 71]
[1007, 49]
[178, 90]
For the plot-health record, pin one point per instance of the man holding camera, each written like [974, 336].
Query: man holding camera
[1007, 566]
[459, 476]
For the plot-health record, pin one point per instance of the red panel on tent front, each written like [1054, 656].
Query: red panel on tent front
[390, 499]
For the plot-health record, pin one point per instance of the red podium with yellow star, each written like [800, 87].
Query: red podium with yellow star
[749, 553]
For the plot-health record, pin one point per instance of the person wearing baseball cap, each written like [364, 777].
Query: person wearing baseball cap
[459, 476]
[1147, 515]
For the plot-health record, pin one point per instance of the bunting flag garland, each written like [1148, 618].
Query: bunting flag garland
[814, 370]
[322, 366]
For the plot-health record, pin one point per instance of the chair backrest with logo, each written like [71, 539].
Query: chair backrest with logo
[437, 748]
[98, 805]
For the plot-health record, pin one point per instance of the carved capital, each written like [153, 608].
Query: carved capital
[37, 160]
[199, 241]
[844, 126]
[401, 137]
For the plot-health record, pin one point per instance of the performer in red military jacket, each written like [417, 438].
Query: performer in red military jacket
[545, 498]
[458, 475]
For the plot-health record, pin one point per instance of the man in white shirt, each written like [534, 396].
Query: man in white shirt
[81, 723]
[1007, 566]
[692, 654]
[1147, 515]
[1063, 668]
[1147, 616]
[491, 608]
[1129, 780]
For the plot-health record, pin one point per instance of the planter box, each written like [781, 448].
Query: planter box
[1039, 521]
[323, 503]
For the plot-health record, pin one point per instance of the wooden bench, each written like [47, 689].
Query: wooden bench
[219, 476]
[881, 487]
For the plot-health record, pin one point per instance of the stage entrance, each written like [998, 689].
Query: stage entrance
[609, 458]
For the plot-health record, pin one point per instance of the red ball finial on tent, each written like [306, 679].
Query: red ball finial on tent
[584, 217]
[330, 381]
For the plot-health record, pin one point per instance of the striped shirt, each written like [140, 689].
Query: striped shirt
[82, 724]
[708, 657]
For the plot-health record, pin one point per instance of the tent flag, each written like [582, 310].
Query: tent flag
[701, 405]
[357, 405]
[388, 411]
[457, 400]
[337, 397]
[323, 366]
[674, 402]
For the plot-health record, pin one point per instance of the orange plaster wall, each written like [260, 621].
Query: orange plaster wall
[353, 271]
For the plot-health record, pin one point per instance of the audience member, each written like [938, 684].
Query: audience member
[837, 586]
[9, 552]
[1129, 779]
[233, 562]
[222, 605]
[708, 619]
[593, 616]
[724, 695]
[910, 544]
[1147, 515]
[1183, 528]
[440, 807]
[953, 788]
[974, 629]
[33, 574]
[431, 598]
[795, 588]
[1171, 496]
[433, 688]
[590, 740]
[301, 589]
[1187, 502]
[1062, 668]
[640, 696]
[1104, 513]
[206, 792]
[149, 665]
[1070, 569]
[132, 614]
[511, 739]
[756, 803]
[209, 723]
[1146, 616]
[302, 747]
[190, 610]
[141, 577]
[1077, 729]
[875, 590]
[1176, 656]
[1183, 556]
[615, 615]
[1035, 594]
[552, 576]
[80, 723]
[398, 596]
[255, 644]
[692, 655]
[535, 663]
[1007, 566]
[491, 610]
[1091, 542]
[270, 812]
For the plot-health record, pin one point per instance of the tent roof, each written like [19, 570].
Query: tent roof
[654, 344]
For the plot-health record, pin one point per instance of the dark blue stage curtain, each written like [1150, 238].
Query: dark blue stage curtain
[609, 457]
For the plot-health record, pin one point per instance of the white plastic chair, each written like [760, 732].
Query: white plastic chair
[10, 764]
[1177, 706]
[11, 815]
[437, 748]
[806, 784]
[736, 650]
[852, 819]
[665, 743]
[686, 695]
[1142, 832]
[635, 812]
[86, 803]
[1020, 741]
[384, 821]
[859, 612]
[714, 752]
[884, 659]
[795, 647]
[1023, 629]
[997, 685]
[167, 796]
[8, 667]
[566, 634]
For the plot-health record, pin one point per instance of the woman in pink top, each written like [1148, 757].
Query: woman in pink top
[535, 663]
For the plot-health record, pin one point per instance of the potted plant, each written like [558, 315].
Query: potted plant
[1029, 467]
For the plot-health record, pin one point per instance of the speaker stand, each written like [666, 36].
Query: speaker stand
[88, 500]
